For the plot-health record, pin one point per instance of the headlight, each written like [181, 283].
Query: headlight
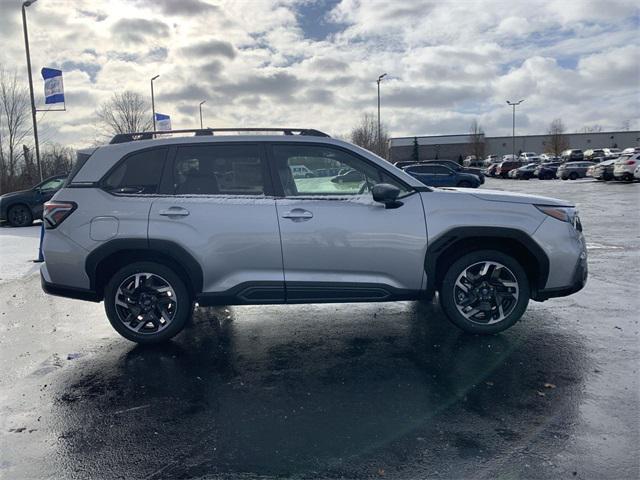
[564, 214]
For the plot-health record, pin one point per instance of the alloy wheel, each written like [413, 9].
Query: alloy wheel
[486, 292]
[146, 303]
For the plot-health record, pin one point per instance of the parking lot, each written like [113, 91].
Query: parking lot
[334, 391]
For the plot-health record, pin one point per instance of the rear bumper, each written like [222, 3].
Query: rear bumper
[66, 291]
[579, 280]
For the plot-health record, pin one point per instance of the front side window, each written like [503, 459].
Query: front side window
[139, 173]
[310, 170]
[219, 170]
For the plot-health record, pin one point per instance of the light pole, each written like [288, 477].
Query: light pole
[200, 106]
[513, 131]
[26, 4]
[378, 82]
[153, 104]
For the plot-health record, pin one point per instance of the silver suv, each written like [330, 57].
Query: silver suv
[153, 225]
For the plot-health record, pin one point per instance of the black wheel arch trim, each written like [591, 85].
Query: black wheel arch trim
[143, 247]
[436, 248]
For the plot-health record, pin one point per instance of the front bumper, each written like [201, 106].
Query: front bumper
[580, 275]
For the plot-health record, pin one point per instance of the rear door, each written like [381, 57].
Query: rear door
[338, 244]
[220, 209]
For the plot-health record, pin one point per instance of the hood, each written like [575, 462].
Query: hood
[14, 194]
[510, 197]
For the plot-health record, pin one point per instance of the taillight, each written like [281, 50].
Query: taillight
[631, 162]
[54, 213]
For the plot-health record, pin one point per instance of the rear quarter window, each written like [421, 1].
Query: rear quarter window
[138, 173]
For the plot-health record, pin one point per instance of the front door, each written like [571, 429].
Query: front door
[338, 244]
[220, 211]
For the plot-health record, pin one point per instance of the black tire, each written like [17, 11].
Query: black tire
[464, 184]
[448, 290]
[564, 178]
[573, 176]
[19, 216]
[183, 302]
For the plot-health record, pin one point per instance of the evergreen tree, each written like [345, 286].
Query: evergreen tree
[415, 155]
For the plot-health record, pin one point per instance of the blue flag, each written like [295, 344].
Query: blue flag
[53, 88]
[163, 122]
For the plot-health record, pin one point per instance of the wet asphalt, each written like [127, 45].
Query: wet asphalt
[337, 391]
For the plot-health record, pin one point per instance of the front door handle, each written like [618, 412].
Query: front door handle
[298, 215]
[174, 212]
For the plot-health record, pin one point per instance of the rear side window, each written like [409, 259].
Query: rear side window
[219, 169]
[139, 173]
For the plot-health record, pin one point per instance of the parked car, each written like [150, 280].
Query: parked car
[525, 172]
[572, 155]
[348, 177]
[505, 167]
[636, 173]
[436, 175]
[473, 163]
[509, 157]
[548, 158]
[491, 159]
[604, 170]
[526, 156]
[457, 168]
[573, 170]
[21, 208]
[625, 167]
[301, 171]
[492, 169]
[190, 234]
[594, 154]
[610, 153]
[630, 150]
[546, 171]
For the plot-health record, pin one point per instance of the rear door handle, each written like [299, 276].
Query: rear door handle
[174, 212]
[298, 215]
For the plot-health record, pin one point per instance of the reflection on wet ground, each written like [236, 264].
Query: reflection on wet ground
[284, 391]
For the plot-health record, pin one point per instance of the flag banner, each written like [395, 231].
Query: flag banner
[53, 88]
[163, 122]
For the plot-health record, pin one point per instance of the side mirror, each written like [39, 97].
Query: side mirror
[387, 194]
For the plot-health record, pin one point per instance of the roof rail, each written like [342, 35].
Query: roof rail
[130, 137]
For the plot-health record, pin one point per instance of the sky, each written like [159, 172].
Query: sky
[314, 63]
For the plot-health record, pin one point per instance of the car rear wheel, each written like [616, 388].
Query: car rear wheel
[19, 216]
[484, 292]
[147, 302]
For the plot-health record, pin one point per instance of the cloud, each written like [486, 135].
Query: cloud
[181, 7]
[315, 63]
[136, 30]
[210, 48]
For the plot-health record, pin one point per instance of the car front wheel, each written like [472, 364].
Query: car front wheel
[147, 302]
[484, 292]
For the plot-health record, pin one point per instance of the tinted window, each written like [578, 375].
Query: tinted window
[219, 169]
[332, 171]
[54, 184]
[139, 173]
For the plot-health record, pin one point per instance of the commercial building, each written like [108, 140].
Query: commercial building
[453, 146]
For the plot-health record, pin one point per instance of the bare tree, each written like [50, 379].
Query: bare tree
[365, 134]
[557, 138]
[626, 125]
[14, 127]
[125, 112]
[476, 140]
[591, 128]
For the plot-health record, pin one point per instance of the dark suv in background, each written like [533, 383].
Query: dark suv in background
[21, 208]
